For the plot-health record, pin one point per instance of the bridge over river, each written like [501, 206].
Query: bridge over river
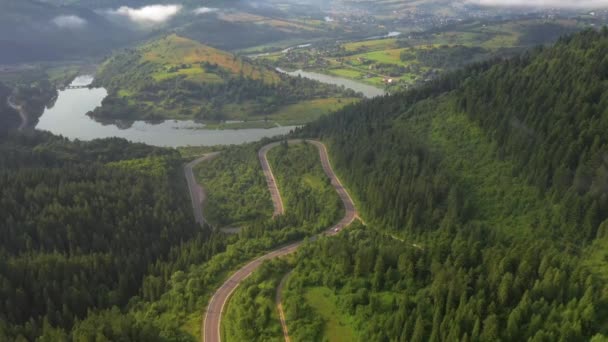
[77, 87]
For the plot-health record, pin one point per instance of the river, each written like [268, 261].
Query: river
[68, 118]
[367, 90]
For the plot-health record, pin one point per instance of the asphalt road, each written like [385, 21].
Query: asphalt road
[275, 194]
[213, 314]
[197, 193]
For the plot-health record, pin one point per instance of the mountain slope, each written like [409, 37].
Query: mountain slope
[81, 225]
[494, 179]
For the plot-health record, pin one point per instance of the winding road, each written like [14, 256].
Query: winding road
[213, 315]
[197, 193]
[275, 194]
[21, 111]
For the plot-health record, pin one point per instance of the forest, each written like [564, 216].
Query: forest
[485, 200]
[483, 193]
[235, 188]
[82, 223]
[305, 189]
[99, 243]
[445, 57]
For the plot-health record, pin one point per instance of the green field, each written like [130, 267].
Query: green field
[338, 327]
[293, 114]
[347, 72]
[391, 56]
[378, 44]
[309, 110]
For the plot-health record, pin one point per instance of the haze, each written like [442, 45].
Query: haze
[544, 3]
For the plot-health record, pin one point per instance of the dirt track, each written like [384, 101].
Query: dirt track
[279, 302]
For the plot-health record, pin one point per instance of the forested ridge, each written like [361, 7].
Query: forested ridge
[543, 111]
[81, 225]
[99, 242]
[483, 193]
[485, 198]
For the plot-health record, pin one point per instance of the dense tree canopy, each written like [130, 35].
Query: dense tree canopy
[80, 225]
[491, 186]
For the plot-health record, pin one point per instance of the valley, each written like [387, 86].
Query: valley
[405, 60]
[303, 170]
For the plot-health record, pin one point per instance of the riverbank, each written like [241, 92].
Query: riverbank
[368, 91]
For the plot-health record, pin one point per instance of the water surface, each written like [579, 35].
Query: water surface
[68, 118]
[367, 90]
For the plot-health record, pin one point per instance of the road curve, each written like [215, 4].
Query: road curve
[21, 111]
[213, 314]
[197, 193]
[275, 194]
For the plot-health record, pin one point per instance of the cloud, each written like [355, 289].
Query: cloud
[544, 3]
[204, 10]
[69, 21]
[152, 14]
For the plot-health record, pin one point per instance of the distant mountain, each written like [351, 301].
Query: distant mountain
[35, 31]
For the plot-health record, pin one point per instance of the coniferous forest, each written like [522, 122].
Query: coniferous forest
[484, 205]
[82, 223]
[485, 201]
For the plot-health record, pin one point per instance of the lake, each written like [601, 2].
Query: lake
[367, 90]
[67, 117]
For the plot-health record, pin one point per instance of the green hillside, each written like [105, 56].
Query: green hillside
[175, 77]
[483, 197]
[81, 225]
[486, 203]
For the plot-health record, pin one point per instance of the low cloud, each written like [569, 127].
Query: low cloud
[204, 10]
[544, 3]
[69, 21]
[152, 14]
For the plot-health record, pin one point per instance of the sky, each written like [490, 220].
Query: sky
[69, 21]
[204, 10]
[545, 3]
[152, 14]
